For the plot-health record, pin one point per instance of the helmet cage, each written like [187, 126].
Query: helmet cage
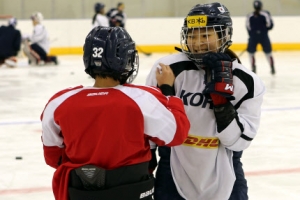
[132, 67]
[213, 23]
[191, 39]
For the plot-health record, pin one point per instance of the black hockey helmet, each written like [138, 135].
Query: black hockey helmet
[257, 5]
[205, 16]
[98, 7]
[111, 50]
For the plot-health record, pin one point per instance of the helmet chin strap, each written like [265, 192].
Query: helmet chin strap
[225, 46]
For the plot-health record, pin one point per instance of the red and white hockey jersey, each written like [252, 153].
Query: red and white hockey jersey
[107, 127]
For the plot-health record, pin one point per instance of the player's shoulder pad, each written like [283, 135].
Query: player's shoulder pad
[147, 88]
[173, 58]
[232, 55]
[65, 91]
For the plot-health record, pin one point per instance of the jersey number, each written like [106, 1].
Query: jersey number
[97, 52]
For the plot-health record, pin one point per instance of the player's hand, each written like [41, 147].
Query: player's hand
[218, 75]
[164, 75]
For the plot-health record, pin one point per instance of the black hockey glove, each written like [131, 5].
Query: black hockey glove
[218, 75]
[224, 114]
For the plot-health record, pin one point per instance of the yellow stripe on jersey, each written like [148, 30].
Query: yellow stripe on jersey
[201, 142]
[196, 21]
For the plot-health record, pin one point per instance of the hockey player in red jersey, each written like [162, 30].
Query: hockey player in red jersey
[97, 137]
[223, 101]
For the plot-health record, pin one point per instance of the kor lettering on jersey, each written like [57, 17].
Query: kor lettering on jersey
[97, 94]
[201, 142]
[195, 99]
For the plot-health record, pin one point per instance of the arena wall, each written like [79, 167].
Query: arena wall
[160, 34]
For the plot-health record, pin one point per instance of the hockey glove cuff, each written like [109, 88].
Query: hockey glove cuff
[224, 114]
[167, 90]
[218, 99]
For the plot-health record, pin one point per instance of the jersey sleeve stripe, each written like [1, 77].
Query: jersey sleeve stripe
[51, 130]
[159, 122]
[246, 137]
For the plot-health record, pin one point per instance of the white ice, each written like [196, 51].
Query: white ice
[271, 163]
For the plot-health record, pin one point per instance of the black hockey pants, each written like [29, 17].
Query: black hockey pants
[93, 183]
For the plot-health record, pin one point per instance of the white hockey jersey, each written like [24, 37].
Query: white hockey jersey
[202, 166]
[101, 20]
[40, 36]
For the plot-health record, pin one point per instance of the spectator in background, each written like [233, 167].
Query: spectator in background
[37, 46]
[10, 43]
[99, 18]
[258, 24]
[117, 16]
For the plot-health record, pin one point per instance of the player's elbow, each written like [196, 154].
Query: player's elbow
[181, 132]
[239, 145]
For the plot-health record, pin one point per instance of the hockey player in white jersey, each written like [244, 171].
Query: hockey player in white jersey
[223, 102]
[37, 46]
[99, 18]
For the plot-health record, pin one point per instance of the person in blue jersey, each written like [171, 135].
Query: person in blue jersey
[258, 25]
[222, 99]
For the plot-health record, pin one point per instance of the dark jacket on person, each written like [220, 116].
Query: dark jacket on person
[10, 41]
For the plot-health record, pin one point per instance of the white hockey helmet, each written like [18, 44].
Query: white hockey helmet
[37, 16]
[12, 21]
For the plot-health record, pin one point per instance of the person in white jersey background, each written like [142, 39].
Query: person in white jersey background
[99, 18]
[37, 45]
[97, 137]
[222, 99]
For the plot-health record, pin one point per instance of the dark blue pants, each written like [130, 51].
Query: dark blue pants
[39, 50]
[165, 188]
[240, 188]
[262, 39]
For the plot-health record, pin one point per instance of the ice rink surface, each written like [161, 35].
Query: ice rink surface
[271, 163]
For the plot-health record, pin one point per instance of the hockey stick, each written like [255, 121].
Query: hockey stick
[143, 52]
[242, 52]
